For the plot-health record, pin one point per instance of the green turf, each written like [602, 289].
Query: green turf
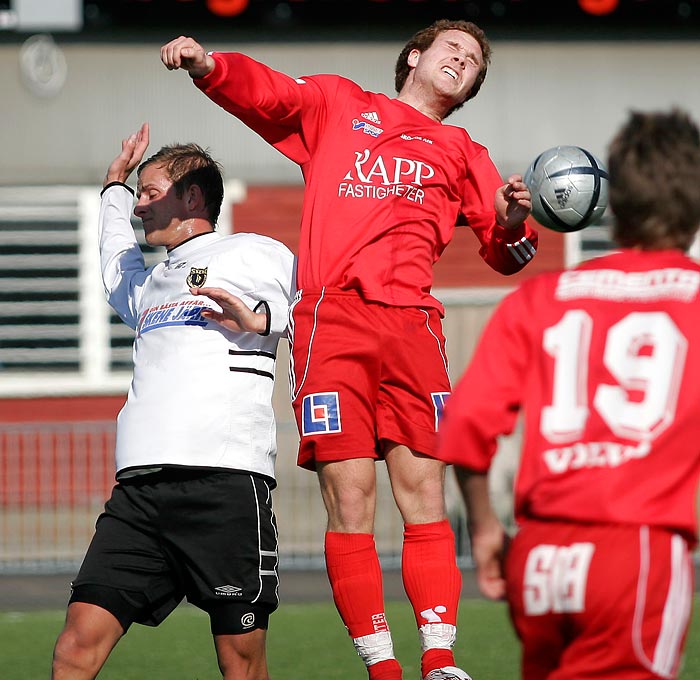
[305, 642]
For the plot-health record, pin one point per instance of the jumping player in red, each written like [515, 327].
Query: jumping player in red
[603, 360]
[386, 184]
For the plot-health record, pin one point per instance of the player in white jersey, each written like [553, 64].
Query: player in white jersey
[191, 514]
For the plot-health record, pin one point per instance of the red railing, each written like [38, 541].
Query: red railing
[54, 480]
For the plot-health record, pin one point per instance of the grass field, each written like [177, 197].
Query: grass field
[305, 642]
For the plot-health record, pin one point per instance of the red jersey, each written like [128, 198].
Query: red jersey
[385, 184]
[604, 360]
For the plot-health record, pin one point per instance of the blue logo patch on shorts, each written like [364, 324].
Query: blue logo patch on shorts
[320, 413]
[439, 399]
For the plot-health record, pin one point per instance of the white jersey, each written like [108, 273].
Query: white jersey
[201, 396]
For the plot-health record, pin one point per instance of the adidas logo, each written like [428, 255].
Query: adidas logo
[372, 117]
[228, 591]
[562, 196]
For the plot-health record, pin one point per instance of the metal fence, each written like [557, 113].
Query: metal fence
[55, 478]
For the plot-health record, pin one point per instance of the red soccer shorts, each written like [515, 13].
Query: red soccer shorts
[599, 601]
[364, 373]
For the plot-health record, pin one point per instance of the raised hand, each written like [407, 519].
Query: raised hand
[187, 54]
[133, 148]
[513, 202]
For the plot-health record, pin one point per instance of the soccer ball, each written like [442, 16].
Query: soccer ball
[569, 188]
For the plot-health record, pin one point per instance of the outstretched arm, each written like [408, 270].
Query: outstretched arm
[487, 535]
[235, 315]
[187, 54]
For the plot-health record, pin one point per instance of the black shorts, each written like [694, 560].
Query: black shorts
[208, 536]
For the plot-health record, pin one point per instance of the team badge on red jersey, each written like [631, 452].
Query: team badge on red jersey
[320, 413]
[366, 127]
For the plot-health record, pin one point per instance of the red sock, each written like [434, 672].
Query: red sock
[432, 581]
[355, 576]
[385, 670]
[435, 658]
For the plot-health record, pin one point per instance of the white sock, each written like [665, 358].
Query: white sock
[437, 636]
[375, 647]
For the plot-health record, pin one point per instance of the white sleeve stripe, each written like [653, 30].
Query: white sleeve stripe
[526, 244]
[522, 250]
[514, 253]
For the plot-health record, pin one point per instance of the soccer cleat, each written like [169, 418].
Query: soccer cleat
[447, 673]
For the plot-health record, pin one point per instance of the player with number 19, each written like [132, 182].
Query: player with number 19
[602, 360]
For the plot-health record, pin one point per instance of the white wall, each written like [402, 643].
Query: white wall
[536, 95]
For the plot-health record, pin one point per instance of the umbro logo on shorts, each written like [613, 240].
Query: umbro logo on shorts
[320, 413]
[228, 591]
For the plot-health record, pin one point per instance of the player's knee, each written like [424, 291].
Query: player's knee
[243, 668]
[351, 510]
[242, 657]
[74, 653]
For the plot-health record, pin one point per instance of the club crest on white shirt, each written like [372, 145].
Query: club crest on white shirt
[197, 277]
